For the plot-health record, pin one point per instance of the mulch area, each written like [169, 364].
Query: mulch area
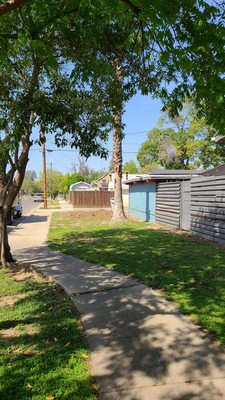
[87, 213]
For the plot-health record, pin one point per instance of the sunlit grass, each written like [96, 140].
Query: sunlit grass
[189, 271]
[42, 351]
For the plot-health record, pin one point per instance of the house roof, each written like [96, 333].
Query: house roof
[163, 174]
[81, 182]
[219, 139]
[215, 171]
[174, 172]
[103, 176]
[132, 176]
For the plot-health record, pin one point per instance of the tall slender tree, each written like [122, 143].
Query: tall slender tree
[171, 50]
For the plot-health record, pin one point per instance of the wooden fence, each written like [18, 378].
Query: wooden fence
[208, 208]
[168, 203]
[86, 198]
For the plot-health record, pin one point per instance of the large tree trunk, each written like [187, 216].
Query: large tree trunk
[2, 210]
[1, 231]
[10, 185]
[5, 253]
[118, 212]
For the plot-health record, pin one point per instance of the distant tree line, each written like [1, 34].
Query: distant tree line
[57, 182]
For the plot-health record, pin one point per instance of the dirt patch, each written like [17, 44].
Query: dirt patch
[22, 276]
[29, 329]
[154, 227]
[10, 333]
[100, 214]
[22, 272]
[6, 334]
[11, 300]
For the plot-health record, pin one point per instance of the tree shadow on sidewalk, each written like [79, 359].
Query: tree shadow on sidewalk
[137, 338]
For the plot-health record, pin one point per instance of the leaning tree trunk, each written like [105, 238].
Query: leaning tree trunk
[6, 256]
[9, 188]
[1, 231]
[2, 209]
[5, 253]
[118, 212]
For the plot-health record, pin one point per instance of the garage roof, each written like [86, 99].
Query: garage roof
[165, 174]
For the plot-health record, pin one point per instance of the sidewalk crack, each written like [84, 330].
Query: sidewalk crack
[92, 291]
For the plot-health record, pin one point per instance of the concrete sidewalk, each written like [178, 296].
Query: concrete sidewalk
[142, 348]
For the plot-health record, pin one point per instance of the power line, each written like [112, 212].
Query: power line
[77, 151]
[135, 133]
[124, 143]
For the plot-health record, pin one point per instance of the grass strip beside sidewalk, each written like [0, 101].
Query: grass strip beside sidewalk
[189, 271]
[43, 355]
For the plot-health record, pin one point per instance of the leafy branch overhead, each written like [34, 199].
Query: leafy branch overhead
[171, 51]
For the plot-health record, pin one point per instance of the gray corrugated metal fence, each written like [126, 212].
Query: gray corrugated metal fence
[185, 206]
[208, 208]
[168, 203]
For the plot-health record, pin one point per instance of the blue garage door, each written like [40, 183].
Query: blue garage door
[142, 201]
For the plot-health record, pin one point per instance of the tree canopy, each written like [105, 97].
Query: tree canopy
[130, 167]
[68, 67]
[121, 47]
[173, 51]
[181, 143]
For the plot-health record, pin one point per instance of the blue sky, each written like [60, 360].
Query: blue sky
[141, 115]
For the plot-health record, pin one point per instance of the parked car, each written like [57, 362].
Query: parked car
[38, 197]
[17, 208]
[15, 211]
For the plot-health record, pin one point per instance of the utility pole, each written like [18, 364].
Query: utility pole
[44, 170]
[51, 180]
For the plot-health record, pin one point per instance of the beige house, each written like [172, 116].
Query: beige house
[108, 182]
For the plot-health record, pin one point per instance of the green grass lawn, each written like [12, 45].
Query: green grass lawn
[189, 271]
[52, 204]
[43, 355]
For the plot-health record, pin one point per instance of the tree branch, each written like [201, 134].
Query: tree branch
[34, 33]
[132, 6]
[11, 5]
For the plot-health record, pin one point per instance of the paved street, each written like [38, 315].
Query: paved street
[28, 204]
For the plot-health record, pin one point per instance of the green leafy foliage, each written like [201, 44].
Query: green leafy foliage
[186, 143]
[29, 183]
[130, 167]
[172, 51]
[36, 88]
[57, 182]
